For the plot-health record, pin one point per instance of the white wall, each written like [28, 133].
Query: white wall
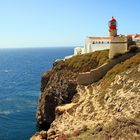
[136, 39]
[79, 50]
[98, 45]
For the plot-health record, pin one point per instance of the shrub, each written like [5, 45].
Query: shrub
[133, 48]
[117, 55]
[88, 61]
[59, 65]
[132, 43]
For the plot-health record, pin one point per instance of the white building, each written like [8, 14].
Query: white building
[135, 37]
[92, 44]
[117, 44]
[79, 50]
[97, 43]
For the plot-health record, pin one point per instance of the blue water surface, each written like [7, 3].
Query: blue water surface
[20, 75]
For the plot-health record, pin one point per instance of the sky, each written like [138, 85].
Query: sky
[51, 23]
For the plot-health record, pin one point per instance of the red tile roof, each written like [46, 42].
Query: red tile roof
[135, 35]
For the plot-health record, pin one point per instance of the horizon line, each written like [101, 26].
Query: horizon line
[41, 47]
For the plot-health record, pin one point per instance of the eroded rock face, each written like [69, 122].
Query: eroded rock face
[110, 114]
[40, 136]
[107, 110]
[58, 87]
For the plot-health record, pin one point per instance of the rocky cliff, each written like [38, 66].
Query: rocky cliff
[59, 85]
[106, 110]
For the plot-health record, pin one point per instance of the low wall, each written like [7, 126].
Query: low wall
[95, 75]
[85, 78]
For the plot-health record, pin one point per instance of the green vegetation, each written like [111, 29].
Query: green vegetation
[123, 129]
[133, 48]
[83, 63]
[131, 43]
[118, 55]
[88, 61]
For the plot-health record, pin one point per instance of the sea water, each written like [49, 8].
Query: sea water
[20, 75]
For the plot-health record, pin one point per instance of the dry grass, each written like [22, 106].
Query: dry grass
[117, 130]
[88, 61]
[83, 63]
[122, 67]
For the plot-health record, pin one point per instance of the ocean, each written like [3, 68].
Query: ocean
[20, 75]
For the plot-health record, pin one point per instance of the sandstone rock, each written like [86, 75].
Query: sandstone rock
[61, 137]
[58, 85]
[104, 110]
[56, 90]
[42, 135]
[37, 136]
[76, 133]
[112, 113]
[61, 109]
[50, 132]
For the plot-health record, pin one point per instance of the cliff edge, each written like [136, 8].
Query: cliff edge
[59, 85]
[108, 109]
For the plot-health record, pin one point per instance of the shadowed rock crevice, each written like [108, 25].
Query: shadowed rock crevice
[58, 90]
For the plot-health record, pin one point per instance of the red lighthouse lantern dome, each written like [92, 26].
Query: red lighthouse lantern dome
[112, 19]
[112, 24]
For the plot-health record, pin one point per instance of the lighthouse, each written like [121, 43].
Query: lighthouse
[118, 43]
[112, 27]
